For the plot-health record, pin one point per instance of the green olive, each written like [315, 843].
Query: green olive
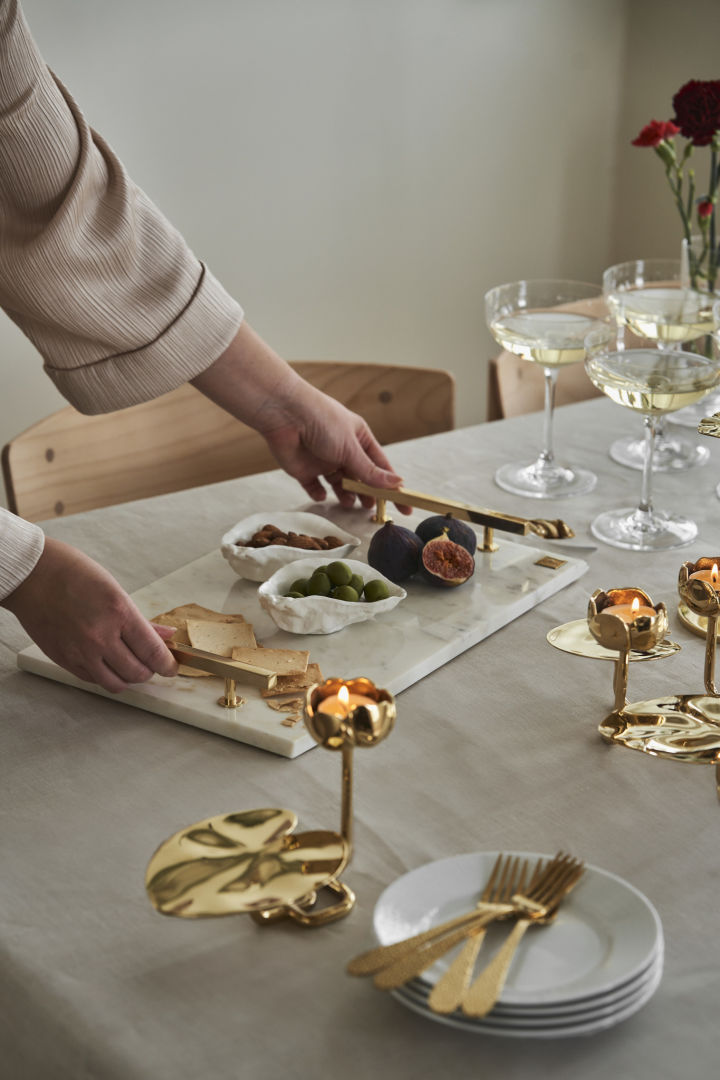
[319, 585]
[376, 590]
[345, 592]
[339, 573]
[300, 586]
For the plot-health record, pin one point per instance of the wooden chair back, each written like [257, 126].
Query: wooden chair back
[516, 387]
[69, 462]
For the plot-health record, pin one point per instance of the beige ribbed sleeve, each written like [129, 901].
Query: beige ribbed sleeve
[90, 270]
[21, 545]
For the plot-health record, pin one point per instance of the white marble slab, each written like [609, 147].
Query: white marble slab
[425, 631]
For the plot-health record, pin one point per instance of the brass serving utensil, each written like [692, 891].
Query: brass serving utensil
[539, 906]
[374, 960]
[489, 519]
[448, 992]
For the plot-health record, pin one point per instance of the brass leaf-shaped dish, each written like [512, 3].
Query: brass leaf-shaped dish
[249, 861]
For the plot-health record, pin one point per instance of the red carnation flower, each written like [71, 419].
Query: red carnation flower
[655, 132]
[697, 110]
[704, 209]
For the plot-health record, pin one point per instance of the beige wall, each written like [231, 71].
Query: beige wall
[359, 172]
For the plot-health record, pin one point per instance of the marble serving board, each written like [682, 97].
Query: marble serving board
[425, 631]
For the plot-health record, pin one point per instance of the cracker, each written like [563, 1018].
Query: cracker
[286, 683]
[290, 705]
[281, 661]
[179, 615]
[220, 638]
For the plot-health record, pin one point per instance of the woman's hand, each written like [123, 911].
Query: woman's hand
[313, 436]
[81, 618]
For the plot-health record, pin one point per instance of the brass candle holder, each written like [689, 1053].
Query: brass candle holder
[603, 636]
[623, 631]
[680, 727]
[253, 862]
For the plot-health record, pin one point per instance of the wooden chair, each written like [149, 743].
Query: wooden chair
[516, 387]
[69, 462]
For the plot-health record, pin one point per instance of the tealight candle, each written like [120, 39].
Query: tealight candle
[710, 575]
[629, 612]
[342, 703]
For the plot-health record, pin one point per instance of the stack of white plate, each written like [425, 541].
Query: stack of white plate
[595, 965]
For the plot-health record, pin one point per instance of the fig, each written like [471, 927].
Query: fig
[395, 552]
[443, 562]
[457, 531]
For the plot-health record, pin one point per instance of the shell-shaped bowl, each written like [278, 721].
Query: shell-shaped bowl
[322, 614]
[259, 564]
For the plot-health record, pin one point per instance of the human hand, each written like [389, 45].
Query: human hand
[81, 618]
[324, 441]
[313, 436]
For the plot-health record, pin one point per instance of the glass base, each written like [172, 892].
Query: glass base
[693, 414]
[669, 454]
[637, 530]
[538, 480]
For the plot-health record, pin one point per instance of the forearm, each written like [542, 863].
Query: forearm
[251, 382]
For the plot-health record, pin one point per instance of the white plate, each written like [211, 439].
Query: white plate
[565, 1028]
[588, 1009]
[258, 564]
[606, 932]
[321, 614]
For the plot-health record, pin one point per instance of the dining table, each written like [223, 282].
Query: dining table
[496, 749]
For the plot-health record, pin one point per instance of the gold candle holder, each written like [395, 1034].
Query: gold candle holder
[700, 595]
[613, 623]
[253, 861]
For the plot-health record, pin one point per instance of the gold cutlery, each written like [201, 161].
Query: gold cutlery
[372, 961]
[538, 906]
[449, 990]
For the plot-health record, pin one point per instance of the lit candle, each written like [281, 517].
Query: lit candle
[629, 612]
[710, 575]
[343, 702]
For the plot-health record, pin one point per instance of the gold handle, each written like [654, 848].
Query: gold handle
[374, 960]
[485, 991]
[393, 976]
[222, 665]
[447, 994]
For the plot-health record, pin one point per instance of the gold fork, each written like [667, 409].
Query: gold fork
[539, 905]
[449, 990]
[372, 961]
[418, 959]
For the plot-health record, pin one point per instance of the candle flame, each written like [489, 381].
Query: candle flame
[634, 607]
[344, 696]
[714, 573]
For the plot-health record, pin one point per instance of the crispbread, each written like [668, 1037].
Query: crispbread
[179, 615]
[282, 661]
[220, 638]
[288, 683]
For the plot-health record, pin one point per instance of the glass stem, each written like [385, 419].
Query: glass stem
[547, 457]
[645, 507]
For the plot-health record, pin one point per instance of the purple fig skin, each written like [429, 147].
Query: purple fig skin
[445, 563]
[395, 552]
[456, 530]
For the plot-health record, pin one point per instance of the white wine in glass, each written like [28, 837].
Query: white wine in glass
[653, 299]
[546, 323]
[654, 383]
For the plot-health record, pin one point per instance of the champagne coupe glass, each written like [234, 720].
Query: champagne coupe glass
[653, 382]
[692, 258]
[546, 323]
[651, 297]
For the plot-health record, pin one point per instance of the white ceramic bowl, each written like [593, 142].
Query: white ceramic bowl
[258, 564]
[321, 614]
